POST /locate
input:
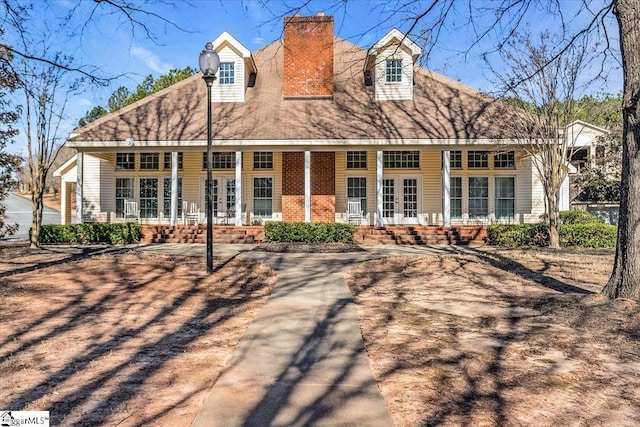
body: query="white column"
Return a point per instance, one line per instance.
(446, 188)
(307, 186)
(79, 185)
(63, 200)
(379, 175)
(174, 188)
(238, 188)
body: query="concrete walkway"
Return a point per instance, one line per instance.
(302, 360)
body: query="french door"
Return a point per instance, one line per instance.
(223, 197)
(400, 199)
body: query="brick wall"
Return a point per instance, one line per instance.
(323, 199)
(293, 187)
(308, 56)
(323, 186)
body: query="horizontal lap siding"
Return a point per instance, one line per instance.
(431, 182)
(228, 92)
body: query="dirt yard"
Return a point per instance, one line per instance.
(120, 338)
(500, 338)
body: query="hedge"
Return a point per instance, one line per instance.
(589, 235)
(516, 235)
(579, 217)
(304, 232)
(127, 232)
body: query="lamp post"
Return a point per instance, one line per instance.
(209, 64)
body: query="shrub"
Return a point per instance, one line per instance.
(128, 232)
(579, 217)
(302, 232)
(594, 235)
(516, 235)
(586, 235)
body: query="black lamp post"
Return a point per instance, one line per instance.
(209, 64)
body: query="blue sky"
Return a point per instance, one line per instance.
(118, 49)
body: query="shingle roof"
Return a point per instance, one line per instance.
(441, 109)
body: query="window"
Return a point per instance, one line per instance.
(220, 160)
(125, 161)
(263, 160)
(505, 199)
(402, 159)
(124, 191)
(356, 159)
(393, 71)
(263, 196)
(226, 74)
(455, 194)
(504, 160)
(478, 159)
(357, 189)
(149, 161)
(455, 159)
(167, 197)
(167, 161)
(148, 197)
(478, 197)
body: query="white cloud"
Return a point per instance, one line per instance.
(150, 60)
(84, 102)
(258, 41)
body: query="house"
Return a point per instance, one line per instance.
(300, 128)
(582, 139)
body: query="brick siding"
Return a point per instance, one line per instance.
(308, 57)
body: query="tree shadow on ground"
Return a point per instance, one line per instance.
(141, 316)
(465, 340)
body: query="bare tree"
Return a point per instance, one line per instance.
(46, 91)
(544, 84)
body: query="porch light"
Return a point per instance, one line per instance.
(209, 64)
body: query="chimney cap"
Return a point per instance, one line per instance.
(320, 14)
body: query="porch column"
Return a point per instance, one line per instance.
(174, 188)
(80, 172)
(238, 188)
(379, 175)
(446, 188)
(307, 186)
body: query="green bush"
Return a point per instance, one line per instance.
(304, 232)
(579, 217)
(594, 235)
(585, 235)
(128, 232)
(516, 235)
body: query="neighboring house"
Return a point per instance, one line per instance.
(582, 138)
(301, 127)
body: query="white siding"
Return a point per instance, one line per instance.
(395, 91)
(227, 92)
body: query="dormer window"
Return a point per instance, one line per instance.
(393, 71)
(226, 75)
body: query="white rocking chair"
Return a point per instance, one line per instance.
(131, 211)
(354, 212)
(193, 216)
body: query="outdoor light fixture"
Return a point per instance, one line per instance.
(209, 64)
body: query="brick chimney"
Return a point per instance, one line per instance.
(308, 57)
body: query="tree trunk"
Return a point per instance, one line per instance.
(37, 193)
(625, 279)
(554, 222)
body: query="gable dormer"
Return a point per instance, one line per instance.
(237, 70)
(389, 67)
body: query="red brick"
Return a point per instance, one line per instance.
(308, 57)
